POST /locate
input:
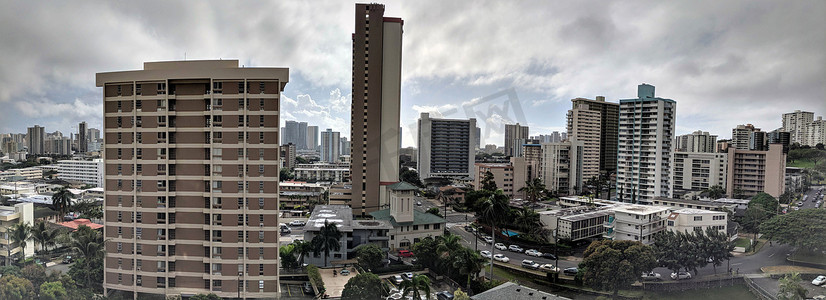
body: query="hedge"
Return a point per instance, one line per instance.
(315, 278)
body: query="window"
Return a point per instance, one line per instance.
(261, 203)
(138, 280)
(261, 269)
(240, 202)
(120, 247)
(698, 218)
(260, 284)
(138, 232)
(138, 216)
(670, 223)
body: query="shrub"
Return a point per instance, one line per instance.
(315, 277)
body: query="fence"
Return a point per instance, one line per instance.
(757, 290)
(698, 283)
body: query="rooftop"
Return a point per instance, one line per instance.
(419, 218)
(342, 215)
(639, 209)
(402, 186)
(513, 291)
(696, 211)
(80, 222)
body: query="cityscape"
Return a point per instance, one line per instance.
(481, 151)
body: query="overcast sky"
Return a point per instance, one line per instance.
(724, 62)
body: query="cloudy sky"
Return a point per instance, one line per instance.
(724, 62)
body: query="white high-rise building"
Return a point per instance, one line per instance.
(330, 145)
(646, 137)
(698, 141)
(795, 124)
(561, 166)
(815, 132)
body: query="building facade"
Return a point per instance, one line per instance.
(82, 138)
(374, 128)
(752, 171)
(815, 132)
(409, 225)
(287, 153)
(584, 125)
(689, 220)
(514, 133)
(191, 165)
(446, 147)
(21, 213)
(646, 136)
(330, 146)
(312, 138)
(609, 130)
(795, 124)
(332, 172)
(561, 166)
(633, 222)
(742, 137)
(36, 140)
(698, 141)
(354, 233)
(508, 176)
(81, 171)
(695, 172)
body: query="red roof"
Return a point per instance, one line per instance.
(76, 223)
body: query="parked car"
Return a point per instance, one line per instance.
(533, 252)
(488, 239)
(570, 271)
(308, 289)
(501, 246)
(651, 276)
(502, 258)
(680, 275)
(419, 203)
(298, 223)
(819, 280)
(397, 279)
(548, 268)
(405, 253)
(515, 248)
(444, 295)
(485, 253)
(68, 259)
(345, 272)
(529, 264)
(548, 255)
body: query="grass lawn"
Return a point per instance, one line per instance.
(809, 257)
(723, 293)
(741, 242)
(790, 269)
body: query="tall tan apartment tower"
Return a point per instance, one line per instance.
(584, 124)
(191, 170)
(374, 126)
(608, 133)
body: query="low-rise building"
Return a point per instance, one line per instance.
(693, 204)
(634, 222)
(333, 172)
(299, 194)
(513, 291)
(575, 223)
(10, 216)
(25, 173)
(81, 171)
(409, 224)
(451, 194)
(341, 194)
(690, 219)
(354, 233)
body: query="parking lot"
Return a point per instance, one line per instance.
(294, 291)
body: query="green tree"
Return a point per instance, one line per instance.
(426, 253)
(287, 256)
(88, 209)
(716, 246)
(474, 196)
(301, 249)
(765, 202)
(87, 245)
(15, 288)
(62, 201)
(210, 296)
(370, 257)
(328, 239)
(448, 243)
(526, 219)
(790, 288)
(716, 192)
(43, 236)
(420, 285)
(19, 234)
(53, 290)
(460, 295)
(363, 286)
(285, 175)
(488, 183)
(753, 217)
(410, 176)
(612, 265)
(805, 228)
(533, 190)
(36, 274)
(435, 210)
(467, 262)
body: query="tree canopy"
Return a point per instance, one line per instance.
(764, 201)
(612, 265)
(16, 288)
(488, 183)
(790, 288)
(805, 228)
(363, 286)
(371, 257)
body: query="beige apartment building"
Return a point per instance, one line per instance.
(560, 166)
(690, 219)
(191, 164)
(695, 172)
(752, 171)
(10, 216)
(585, 125)
(374, 125)
(510, 177)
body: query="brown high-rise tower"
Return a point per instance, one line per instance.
(374, 126)
(191, 179)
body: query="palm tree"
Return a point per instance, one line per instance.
(43, 236)
(328, 239)
(790, 288)
(20, 233)
(533, 189)
(493, 210)
(419, 284)
(526, 219)
(87, 243)
(62, 201)
(302, 248)
(448, 243)
(467, 262)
